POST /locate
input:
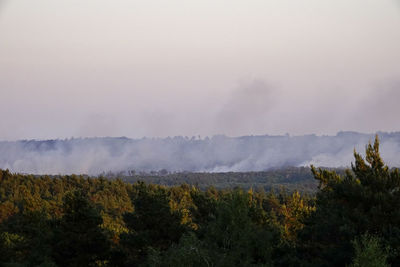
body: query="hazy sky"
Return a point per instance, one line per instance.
(182, 67)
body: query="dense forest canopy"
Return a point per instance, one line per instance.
(94, 156)
(352, 220)
(292, 178)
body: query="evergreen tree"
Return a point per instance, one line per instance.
(234, 239)
(153, 224)
(369, 252)
(366, 199)
(79, 240)
(25, 239)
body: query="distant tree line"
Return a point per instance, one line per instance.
(156, 156)
(352, 220)
(291, 178)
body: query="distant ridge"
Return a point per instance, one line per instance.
(215, 154)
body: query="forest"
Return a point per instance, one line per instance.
(351, 218)
(218, 154)
(289, 178)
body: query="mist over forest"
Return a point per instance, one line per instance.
(193, 154)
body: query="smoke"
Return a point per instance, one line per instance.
(397, 2)
(378, 108)
(96, 123)
(3, 4)
(247, 107)
(126, 68)
(217, 154)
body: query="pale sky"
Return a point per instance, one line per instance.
(182, 67)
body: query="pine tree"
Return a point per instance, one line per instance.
(153, 224)
(79, 240)
(365, 199)
(369, 252)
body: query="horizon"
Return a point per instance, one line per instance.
(199, 137)
(178, 154)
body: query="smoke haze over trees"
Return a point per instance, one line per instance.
(74, 220)
(174, 154)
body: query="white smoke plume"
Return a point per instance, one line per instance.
(217, 154)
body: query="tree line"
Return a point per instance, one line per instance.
(352, 220)
(291, 178)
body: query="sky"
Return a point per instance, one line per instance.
(158, 68)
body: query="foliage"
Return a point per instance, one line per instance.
(369, 252)
(77, 231)
(292, 178)
(366, 199)
(153, 224)
(84, 221)
(190, 252)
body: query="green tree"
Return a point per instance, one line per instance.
(153, 224)
(369, 252)
(78, 239)
(25, 239)
(190, 252)
(234, 239)
(366, 199)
